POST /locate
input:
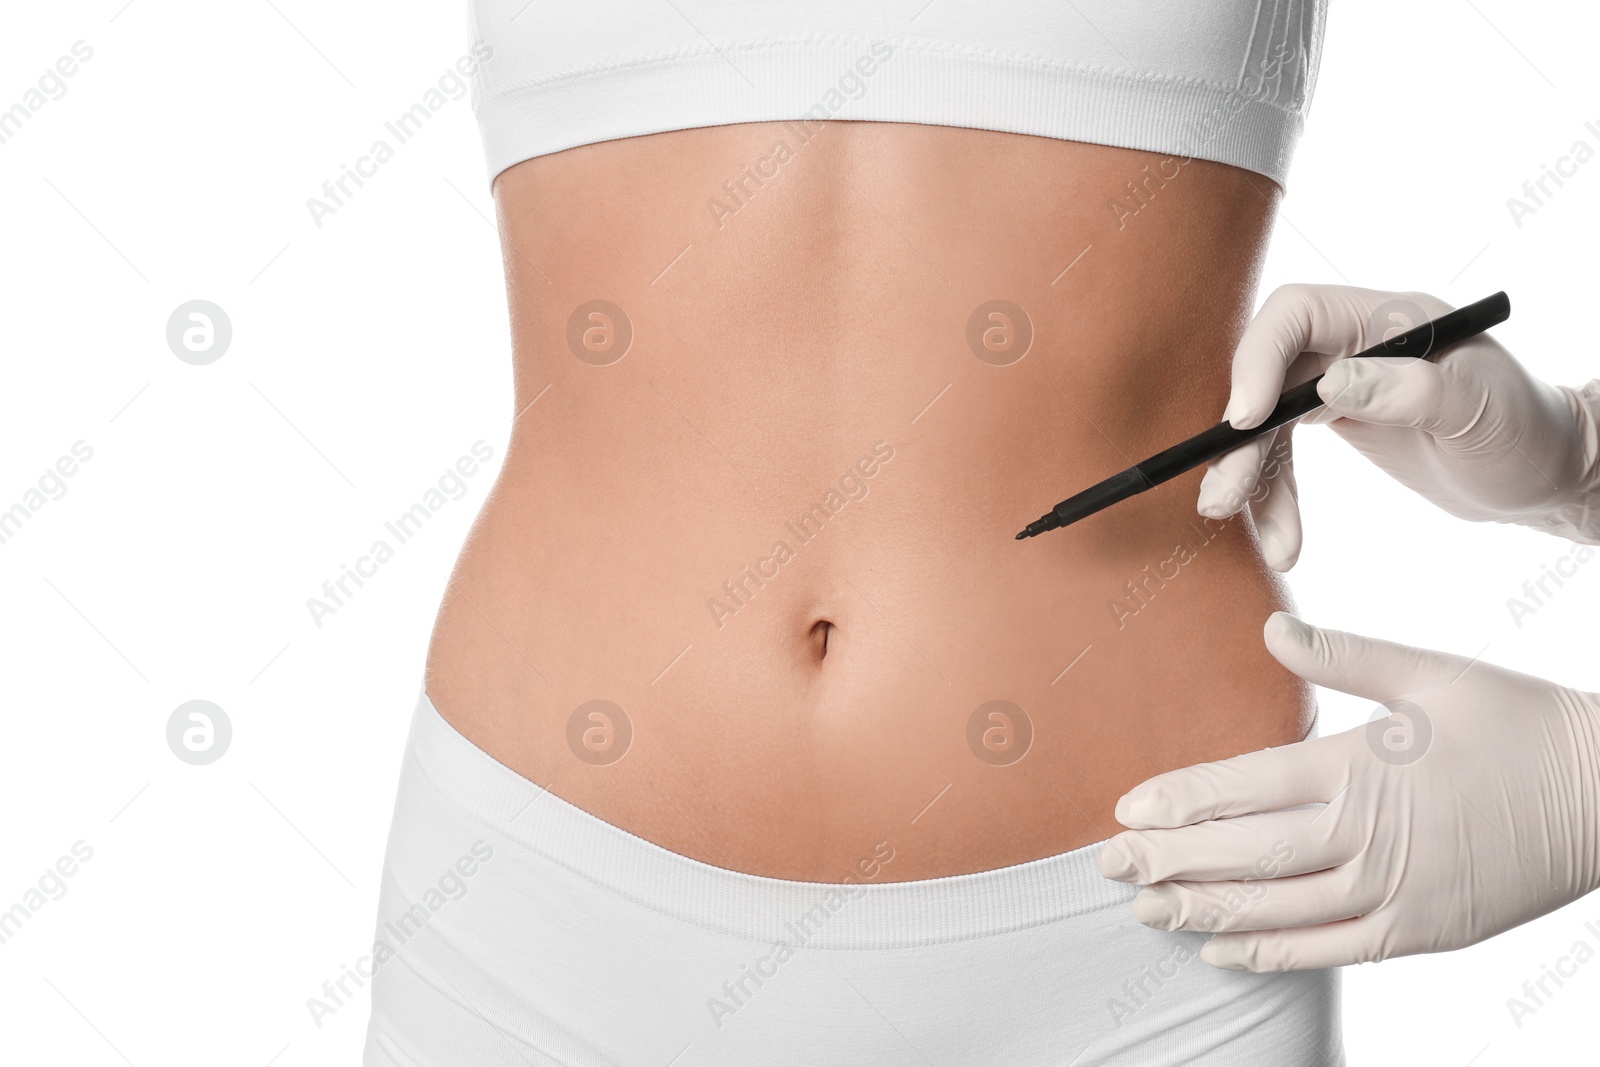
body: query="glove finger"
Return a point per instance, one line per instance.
(1269, 780)
(1232, 477)
(1258, 904)
(1276, 844)
(1363, 940)
(1402, 392)
(1296, 320)
(1362, 666)
(1276, 507)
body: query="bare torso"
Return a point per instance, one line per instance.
(777, 533)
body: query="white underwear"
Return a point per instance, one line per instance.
(516, 929)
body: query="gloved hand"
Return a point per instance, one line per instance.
(1473, 431)
(1472, 808)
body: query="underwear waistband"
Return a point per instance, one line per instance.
(526, 817)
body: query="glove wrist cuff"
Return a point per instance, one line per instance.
(1583, 719)
(1578, 519)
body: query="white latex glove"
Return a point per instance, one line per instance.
(1469, 810)
(1473, 432)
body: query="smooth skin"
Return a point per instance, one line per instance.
(786, 344)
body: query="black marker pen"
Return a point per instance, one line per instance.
(1421, 342)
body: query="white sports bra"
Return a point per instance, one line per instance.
(1227, 80)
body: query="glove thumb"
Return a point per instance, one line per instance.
(1361, 666)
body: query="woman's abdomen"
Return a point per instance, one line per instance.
(748, 585)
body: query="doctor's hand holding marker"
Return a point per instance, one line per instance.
(1472, 430)
(1475, 805)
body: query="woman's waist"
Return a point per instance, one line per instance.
(923, 530)
(761, 690)
(824, 586)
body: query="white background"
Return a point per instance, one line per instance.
(370, 353)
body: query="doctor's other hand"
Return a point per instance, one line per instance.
(1468, 809)
(1472, 431)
